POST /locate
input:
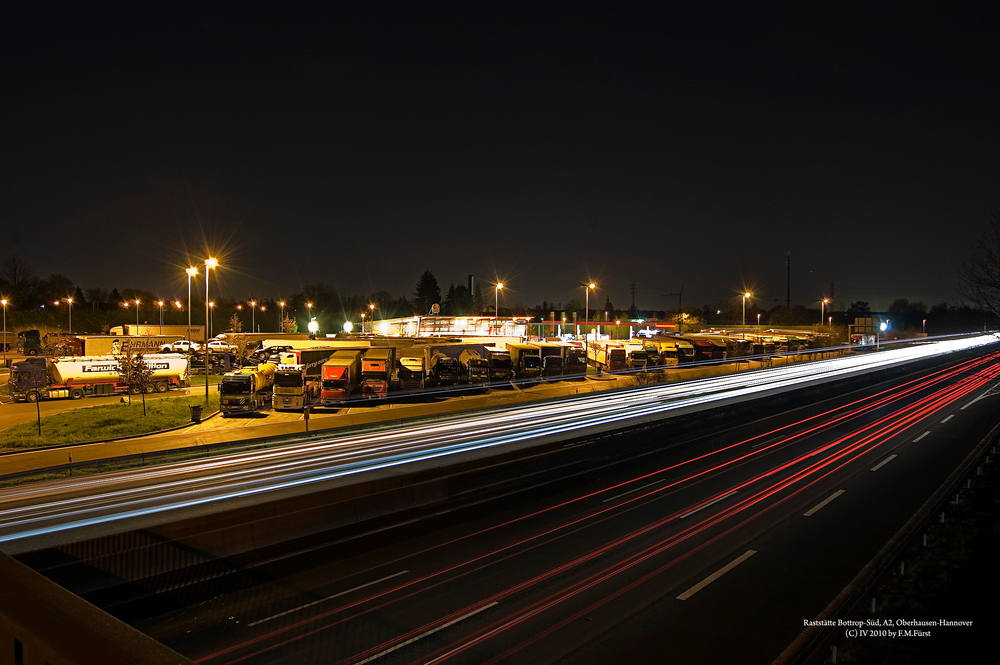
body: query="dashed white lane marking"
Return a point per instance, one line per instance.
(921, 436)
(716, 575)
(948, 418)
(618, 496)
(426, 633)
(692, 512)
(815, 509)
(323, 600)
(883, 462)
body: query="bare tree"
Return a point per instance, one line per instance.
(981, 273)
(18, 279)
(235, 325)
(134, 372)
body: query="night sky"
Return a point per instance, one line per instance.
(670, 144)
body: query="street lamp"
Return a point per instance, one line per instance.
(281, 321)
(4, 303)
(209, 264)
(191, 272)
(822, 309)
(371, 308)
(160, 303)
(70, 301)
(211, 321)
(362, 323)
(924, 330)
(136, 316)
(253, 316)
(586, 314)
(496, 304)
(758, 322)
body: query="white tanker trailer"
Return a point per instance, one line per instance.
(79, 376)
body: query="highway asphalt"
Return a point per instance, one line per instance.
(710, 548)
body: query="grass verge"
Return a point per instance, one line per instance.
(107, 421)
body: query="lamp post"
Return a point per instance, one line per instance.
(191, 272)
(586, 314)
(136, 316)
(160, 303)
(746, 296)
(924, 330)
(4, 303)
(496, 305)
(209, 264)
(371, 318)
(822, 309)
(362, 323)
(281, 321)
(253, 316)
(758, 323)
(70, 302)
(211, 321)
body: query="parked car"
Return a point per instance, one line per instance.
(181, 346)
(218, 346)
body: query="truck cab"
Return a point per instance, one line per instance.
(552, 358)
(501, 365)
(376, 372)
(29, 343)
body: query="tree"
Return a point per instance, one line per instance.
(427, 291)
(289, 325)
(136, 374)
(235, 324)
(241, 346)
(17, 280)
(55, 287)
(981, 273)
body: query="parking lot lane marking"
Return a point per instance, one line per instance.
(716, 575)
(815, 509)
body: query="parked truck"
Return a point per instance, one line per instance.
(526, 359)
(341, 377)
(298, 378)
(247, 390)
(635, 355)
(501, 365)
(605, 354)
(35, 379)
(552, 358)
(29, 343)
(574, 359)
(376, 372)
(412, 368)
(445, 370)
(475, 368)
(108, 345)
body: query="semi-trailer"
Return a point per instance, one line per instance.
(635, 355)
(526, 359)
(247, 390)
(552, 358)
(605, 354)
(376, 372)
(475, 368)
(298, 378)
(341, 377)
(77, 377)
(108, 345)
(574, 359)
(412, 368)
(501, 365)
(445, 370)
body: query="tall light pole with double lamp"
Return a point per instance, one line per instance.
(191, 272)
(209, 264)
